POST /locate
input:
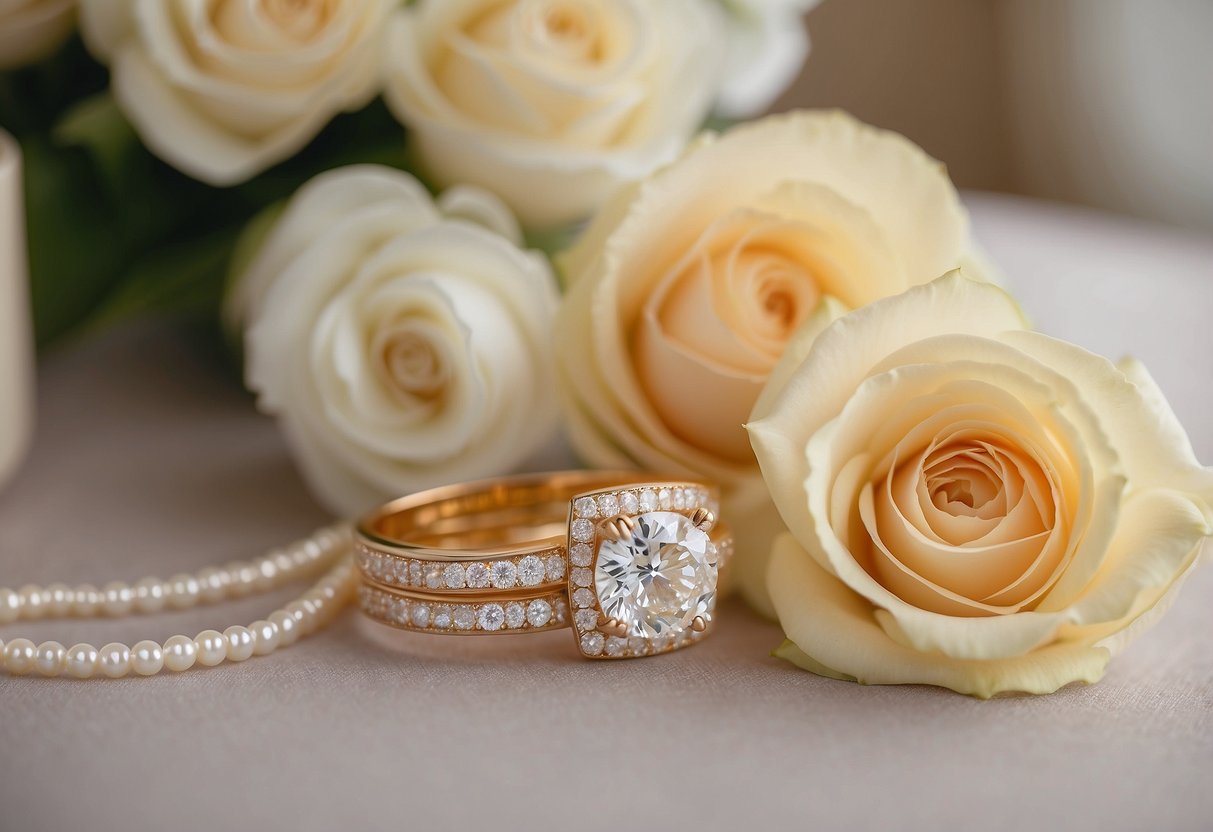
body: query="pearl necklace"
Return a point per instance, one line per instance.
(328, 549)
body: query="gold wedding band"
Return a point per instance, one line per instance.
(630, 562)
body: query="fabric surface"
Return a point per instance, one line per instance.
(150, 460)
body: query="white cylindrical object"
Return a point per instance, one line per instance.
(16, 331)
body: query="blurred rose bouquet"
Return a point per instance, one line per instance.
(926, 492)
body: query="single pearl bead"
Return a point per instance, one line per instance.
(59, 600)
(147, 658)
(288, 628)
(183, 591)
(265, 637)
(33, 601)
(266, 574)
(180, 653)
(114, 660)
(212, 647)
(85, 600)
(240, 643)
(50, 658)
(213, 584)
(117, 598)
(243, 577)
(149, 595)
(19, 655)
(82, 661)
(284, 564)
(10, 605)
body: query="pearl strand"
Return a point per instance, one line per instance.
(283, 627)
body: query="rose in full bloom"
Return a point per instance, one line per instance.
(551, 104)
(768, 45)
(30, 30)
(224, 90)
(402, 344)
(970, 504)
(687, 288)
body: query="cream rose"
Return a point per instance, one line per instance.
(552, 104)
(30, 30)
(768, 45)
(402, 344)
(970, 504)
(687, 288)
(225, 89)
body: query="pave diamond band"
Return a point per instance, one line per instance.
(628, 561)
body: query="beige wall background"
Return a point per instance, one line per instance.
(1107, 103)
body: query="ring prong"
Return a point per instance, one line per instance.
(612, 626)
(619, 527)
(703, 519)
(699, 624)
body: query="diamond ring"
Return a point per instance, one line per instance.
(628, 561)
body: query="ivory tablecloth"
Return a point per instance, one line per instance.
(149, 459)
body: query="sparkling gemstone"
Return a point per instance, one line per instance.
(584, 507)
(441, 618)
(628, 503)
(560, 609)
(665, 500)
(648, 500)
(415, 573)
(454, 575)
(582, 577)
(592, 644)
(464, 618)
(502, 574)
(581, 554)
(616, 646)
(538, 612)
(491, 617)
(515, 615)
(531, 571)
(660, 578)
(433, 576)
(421, 615)
(477, 575)
(638, 645)
(586, 619)
(555, 567)
(608, 505)
(400, 573)
(399, 611)
(583, 531)
(680, 498)
(583, 598)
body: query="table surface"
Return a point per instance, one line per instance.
(149, 460)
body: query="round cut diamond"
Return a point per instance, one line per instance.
(464, 618)
(415, 573)
(583, 598)
(555, 566)
(491, 617)
(660, 578)
(454, 575)
(441, 618)
(648, 500)
(515, 615)
(608, 505)
(582, 577)
(628, 503)
(531, 571)
(592, 643)
(664, 499)
(615, 646)
(538, 612)
(586, 619)
(477, 575)
(581, 554)
(584, 507)
(502, 573)
(433, 576)
(583, 530)
(421, 615)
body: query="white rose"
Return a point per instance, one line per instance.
(552, 104)
(30, 30)
(970, 504)
(401, 344)
(768, 45)
(687, 288)
(224, 90)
